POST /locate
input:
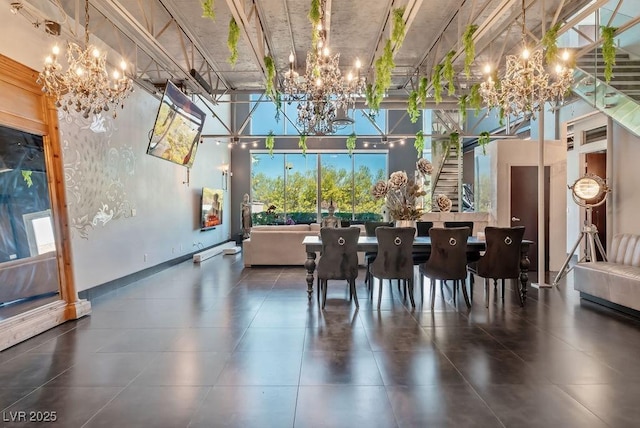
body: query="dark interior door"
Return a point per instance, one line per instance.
(596, 163)
(524, 208)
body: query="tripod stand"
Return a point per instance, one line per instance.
(590, 235)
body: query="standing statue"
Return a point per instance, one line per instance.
(246, 216)
(331, 220)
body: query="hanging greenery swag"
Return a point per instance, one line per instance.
(351, 143)
(462, 108)
(469, 48)
(232, 41)
(207, 9)
(419, 143)
(608, 51)
(302, 143)
(449, 72)
(269, 143)
(483, 140)
(437, 83)
(550, 43)
(412, 107)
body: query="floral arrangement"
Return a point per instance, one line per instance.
(443, 202)
(401, 195)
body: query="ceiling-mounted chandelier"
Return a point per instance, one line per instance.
(85, 86)
(526, 85)
(323, 94)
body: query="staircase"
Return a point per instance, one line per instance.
(448, 179)
(619, 99)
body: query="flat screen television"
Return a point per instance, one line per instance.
(211, 211)
(177, 128)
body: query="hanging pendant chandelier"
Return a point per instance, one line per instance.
(527, 85)
(85, 87)
(323, 94)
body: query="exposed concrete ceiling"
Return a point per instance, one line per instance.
(165, 39)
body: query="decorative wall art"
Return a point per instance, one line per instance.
(97, 171)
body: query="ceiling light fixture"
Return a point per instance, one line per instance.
(85, 86)
(526, 86)
(323, 94)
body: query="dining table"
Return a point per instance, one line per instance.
(421, 244)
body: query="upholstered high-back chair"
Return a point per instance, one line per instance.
(501, 260)
(339, 259)
(369, 256)
(394, 259)
(448, 260)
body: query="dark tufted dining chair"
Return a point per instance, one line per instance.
(501, 259)
(369, 256)
(394, 259)
(339, 259)
(448, 259)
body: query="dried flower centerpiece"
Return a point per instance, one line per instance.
(401, 196)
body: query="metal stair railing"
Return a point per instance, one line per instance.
(445, 155)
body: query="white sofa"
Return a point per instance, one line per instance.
(617, 280)
(280, 245)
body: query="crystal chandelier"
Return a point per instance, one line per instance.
(85, 86)
(323, 95)
(526, 85)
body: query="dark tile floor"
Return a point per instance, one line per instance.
(217, 345)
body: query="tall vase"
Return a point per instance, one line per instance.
(407, 223)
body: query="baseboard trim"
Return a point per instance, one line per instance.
(108, 287)
(602, 302)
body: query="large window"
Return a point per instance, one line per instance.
(284, 187)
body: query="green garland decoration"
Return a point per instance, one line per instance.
(437, 83)
(278, 103)
(383, 66)
(314, 17)
(271, 75)
(462, 107)
(232, 41)
(270, 142)
(422, 91)
(370, 98)
(550, 43)
(501, 116)
(26, 176)
(483, 140)
(412, 107)
(469, 48)
(399, 27)
(302, 143)
(207, 9)
(475, 99)
(419, 143)
(608, 51)
(454, 140)
(351, 143)
(449, 72)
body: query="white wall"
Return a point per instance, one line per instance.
(507, 153)
(109, 176)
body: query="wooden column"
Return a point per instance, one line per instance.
(24, 106)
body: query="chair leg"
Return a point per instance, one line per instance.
(410, 281)
(471, 282)
(354, 293)
(503, 289)
(324, 292)
(318, 288)
(464, 293)
(455, 288)
(421, 286)
(495, 289)
(433, 293)
(486, 291)
(380, 293)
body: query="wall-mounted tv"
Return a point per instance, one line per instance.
(211, 211)
(177, 129)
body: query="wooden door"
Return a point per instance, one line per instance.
(596, 163)
(524, 207)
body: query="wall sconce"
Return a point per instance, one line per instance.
(226, 173)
